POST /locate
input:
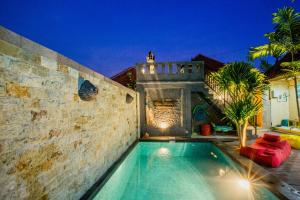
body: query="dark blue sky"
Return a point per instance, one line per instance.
(109, 36)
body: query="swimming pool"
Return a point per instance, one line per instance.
(181, 170)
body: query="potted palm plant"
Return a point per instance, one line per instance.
(245, 86)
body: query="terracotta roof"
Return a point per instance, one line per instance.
(123, 77)
(210, 64)
(276, 69)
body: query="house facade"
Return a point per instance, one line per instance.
(280, 101)
(168, 92)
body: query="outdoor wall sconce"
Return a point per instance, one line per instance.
(129, 98)
(87, 91)
(163, 125)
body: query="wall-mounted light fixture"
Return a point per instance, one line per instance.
(87, 91)
(129, 98)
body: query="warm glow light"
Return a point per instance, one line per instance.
(163, 125)
(163, 151)
(143, 71)
(221, 172)
(244, 184)
(152, 69)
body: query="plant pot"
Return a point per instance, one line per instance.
(205, 129)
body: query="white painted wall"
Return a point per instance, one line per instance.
(266, 110)
(279, 110)
(292, 102)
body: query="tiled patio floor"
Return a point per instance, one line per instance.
(289, 171)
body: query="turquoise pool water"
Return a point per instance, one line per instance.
(173, 171)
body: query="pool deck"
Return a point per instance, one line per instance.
(283, 180)
(286, 175)
(289, 171)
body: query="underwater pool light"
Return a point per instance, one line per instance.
(244, 183)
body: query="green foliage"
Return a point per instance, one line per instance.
(240, 79)
(239, 112)
(274, 50)
(285, 38)
(292, 68)
(245, 86)
(287, 28)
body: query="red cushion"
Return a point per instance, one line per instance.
(267, 144)
(271, 138)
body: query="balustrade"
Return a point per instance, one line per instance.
(170, 71)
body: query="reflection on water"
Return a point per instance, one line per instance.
(163, 151)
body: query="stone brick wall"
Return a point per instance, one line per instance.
(159, 109)
(52, 144)
(164, 111)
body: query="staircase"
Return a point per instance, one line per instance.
(218, 99)
(213, 95)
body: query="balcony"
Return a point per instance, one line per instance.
(170, 71)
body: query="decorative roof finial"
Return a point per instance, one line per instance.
(150, 57)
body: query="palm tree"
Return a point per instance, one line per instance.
(245, 86)
(266, 50)
(284, 40)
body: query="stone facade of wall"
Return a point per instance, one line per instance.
(164, 110)
(53, 145)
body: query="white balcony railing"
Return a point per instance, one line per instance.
(170, 71)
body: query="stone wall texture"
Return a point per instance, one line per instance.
(164, 111)
(53, 145)
(165, 114)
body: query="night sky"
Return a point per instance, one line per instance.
(108, 36)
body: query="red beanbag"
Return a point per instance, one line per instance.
(271, 138)
(269, 153)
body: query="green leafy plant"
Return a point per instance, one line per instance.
(245, 85)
